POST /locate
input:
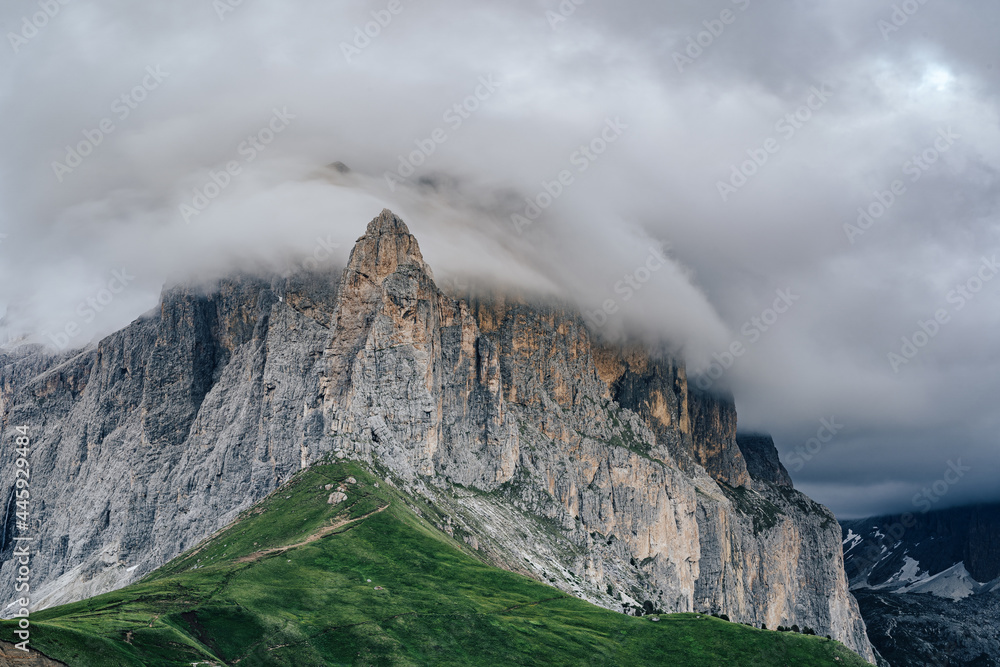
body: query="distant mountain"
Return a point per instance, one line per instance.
(921, 630)
(928, 584)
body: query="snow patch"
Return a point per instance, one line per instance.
(955, 583)
(853, 538)
(908, 574)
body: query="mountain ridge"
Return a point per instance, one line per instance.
(595, 468)
(928, 584)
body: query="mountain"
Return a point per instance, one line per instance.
(596, 468)
(908, 551)
(921, 630)
(339, 566)
(928, 584)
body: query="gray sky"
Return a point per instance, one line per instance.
(711, 152)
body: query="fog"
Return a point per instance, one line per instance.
(784, 191)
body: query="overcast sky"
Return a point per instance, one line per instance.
(717, 154)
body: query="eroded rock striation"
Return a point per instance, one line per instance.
(598, 469)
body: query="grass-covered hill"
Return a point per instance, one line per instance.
(298, 581)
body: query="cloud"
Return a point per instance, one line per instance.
(610, 125)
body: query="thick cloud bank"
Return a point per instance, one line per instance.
(801, 196)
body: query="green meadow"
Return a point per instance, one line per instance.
(296, 581)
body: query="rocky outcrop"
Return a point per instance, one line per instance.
(597, 469)
(407, 366)
(11, 656)
(699, 428)
(762, 458)
(911, 630)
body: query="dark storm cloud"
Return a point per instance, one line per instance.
(676, 168)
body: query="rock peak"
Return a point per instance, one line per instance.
(386, 246)
(387, 223)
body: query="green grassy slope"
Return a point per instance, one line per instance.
(243, 598)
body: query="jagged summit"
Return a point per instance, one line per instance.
(385, 246)
(385, 223)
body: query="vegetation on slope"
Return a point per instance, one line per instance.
(299, 582)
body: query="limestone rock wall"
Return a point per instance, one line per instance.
(597, 469)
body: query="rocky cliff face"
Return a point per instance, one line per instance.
(762, 458)
(597, 469)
